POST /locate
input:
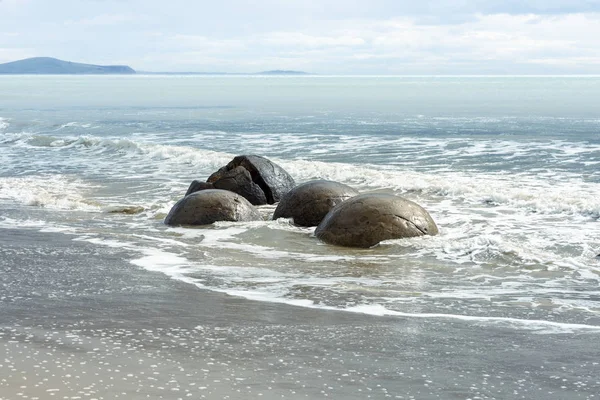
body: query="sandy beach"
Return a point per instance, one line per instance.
(85, 328)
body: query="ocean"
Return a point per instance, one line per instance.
(508, 167)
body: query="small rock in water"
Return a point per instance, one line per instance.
(125, 210)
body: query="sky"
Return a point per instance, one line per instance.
(395, 37)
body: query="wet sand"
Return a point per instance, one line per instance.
(79, 324)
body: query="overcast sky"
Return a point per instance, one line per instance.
(320, 36)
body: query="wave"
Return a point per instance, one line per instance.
(53, 191)
(120, 147)
(178, 267)
(3, 124)
(174, 254)
(75, 125)
(535, 192)
(529, 194)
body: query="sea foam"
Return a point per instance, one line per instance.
(53, 191)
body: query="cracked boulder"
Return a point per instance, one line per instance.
(255, 178)
(308, 203)
(197, 186)
(367, 219)
(211, 205)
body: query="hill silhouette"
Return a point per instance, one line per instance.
(49, 65)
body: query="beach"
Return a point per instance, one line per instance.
(100, 299)
(113, 330)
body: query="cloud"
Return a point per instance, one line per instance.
(498, 43)
(202, 43)
(297, 39)
(106, 19)
(8, 54)
(331, 36)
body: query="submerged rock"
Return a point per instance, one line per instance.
(367, 219)
(257, 179)
(309, 202)
(211, 205)
(124, 210)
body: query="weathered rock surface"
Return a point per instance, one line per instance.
(197, 186)
(211, 205)
(240, 181)
(257, 179)
(309, 202)
(367, 219)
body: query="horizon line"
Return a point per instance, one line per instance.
(372, 75)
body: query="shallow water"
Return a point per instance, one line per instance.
(509, 173)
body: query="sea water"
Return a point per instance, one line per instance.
(508, 167)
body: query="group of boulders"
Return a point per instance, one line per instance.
(342, 215)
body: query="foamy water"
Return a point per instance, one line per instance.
(514, 196)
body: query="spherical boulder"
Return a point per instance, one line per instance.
(259, 180)
(367, 219)
(308, 203)
(211, 205)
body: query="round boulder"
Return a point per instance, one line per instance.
(257, 179)
(309, 202)
(367, 219)
(211, 205)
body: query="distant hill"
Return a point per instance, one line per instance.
(48, 65)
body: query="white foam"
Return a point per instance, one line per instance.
(10, 223)
(273, 286)
(162, 261)
(534, 325)
(75, 124)
(3, 124)
(558, 193)
(561, 195)
(153, 151)
(52, 191)
(540, 326)
(520, 223)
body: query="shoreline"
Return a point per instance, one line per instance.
(93, 325)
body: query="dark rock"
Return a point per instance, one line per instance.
(239, 180)
(211, 205)
(215, 176)
(367, 219)
(270, 178)
(197, 186)
(309, 202)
